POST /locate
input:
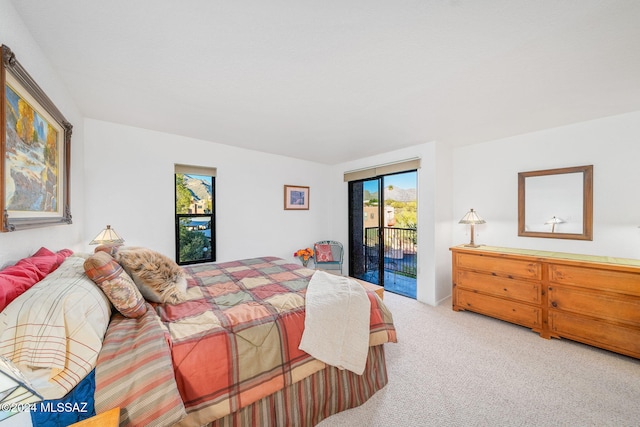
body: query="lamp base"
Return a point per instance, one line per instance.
(471, 245)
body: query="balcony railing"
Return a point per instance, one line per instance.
(400, 250)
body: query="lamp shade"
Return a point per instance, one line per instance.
(472, 218)
(108, 236)
(554, 220)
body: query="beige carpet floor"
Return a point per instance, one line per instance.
(464, 369)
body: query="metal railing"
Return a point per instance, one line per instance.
(400, 250)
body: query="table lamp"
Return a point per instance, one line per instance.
(472, 219)
(108, 236)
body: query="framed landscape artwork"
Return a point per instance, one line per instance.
(296, 197)
(35, 152)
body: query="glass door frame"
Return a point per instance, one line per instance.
(357, 240)
(396, 247)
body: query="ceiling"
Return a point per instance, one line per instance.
(332, 81)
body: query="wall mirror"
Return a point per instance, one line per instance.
(556, 203)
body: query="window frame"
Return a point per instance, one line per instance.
(211, 217)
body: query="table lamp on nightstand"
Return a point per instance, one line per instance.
(472, 219)
(108, 236)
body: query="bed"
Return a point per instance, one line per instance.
(220, 349)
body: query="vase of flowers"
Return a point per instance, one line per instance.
(305, 255)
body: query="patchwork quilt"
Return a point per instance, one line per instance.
(236, 338)
(233, 342)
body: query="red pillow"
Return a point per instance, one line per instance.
(63, 254)
(44, 260)
(323, 253)
(43, 252)
(15, 280)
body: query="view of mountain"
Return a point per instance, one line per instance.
(400, 194)
(200, 189)
(395, 193)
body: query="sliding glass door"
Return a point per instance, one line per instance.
(364, 230)
(383, 231)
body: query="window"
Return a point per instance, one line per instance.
(195, 214)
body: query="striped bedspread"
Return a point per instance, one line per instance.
(235, 340)
(134, 373)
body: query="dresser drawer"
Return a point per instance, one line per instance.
(510, 311)
(595, 278)
(605, 306)
(500, 266)
(503, 287)
(618, 338)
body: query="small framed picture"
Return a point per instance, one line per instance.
(296, 197)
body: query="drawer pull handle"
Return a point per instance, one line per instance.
(554, 304)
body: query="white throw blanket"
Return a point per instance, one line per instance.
(336, 326)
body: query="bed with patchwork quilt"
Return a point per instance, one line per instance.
(223, 348)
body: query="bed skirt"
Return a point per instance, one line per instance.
(314, 398)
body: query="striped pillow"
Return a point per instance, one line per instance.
(116, 284)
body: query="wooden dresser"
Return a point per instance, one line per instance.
(591, 299)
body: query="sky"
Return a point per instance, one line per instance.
(403, 180)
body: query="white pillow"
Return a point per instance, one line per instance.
(59, 325)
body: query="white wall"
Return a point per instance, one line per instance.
(19, 244)
(485, 178)
(434, 213)
(123, 176)
(130, 185)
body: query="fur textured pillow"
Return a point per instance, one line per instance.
(158, 277)
(116, 284)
